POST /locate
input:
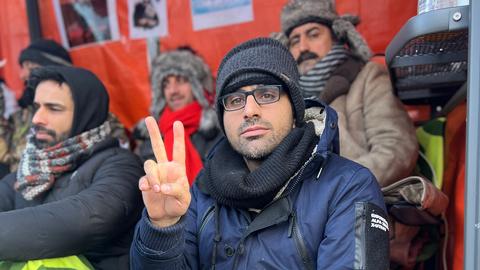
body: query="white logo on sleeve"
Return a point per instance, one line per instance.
(378, 222)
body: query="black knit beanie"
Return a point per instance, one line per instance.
(45, 52)
(251, 78)
(260, 61)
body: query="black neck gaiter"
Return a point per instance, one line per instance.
(229, 181)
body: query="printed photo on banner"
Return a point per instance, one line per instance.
(215, 13)
(85, 22)
(147, 18)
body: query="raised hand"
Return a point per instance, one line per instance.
(165, 187)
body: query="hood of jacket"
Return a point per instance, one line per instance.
(325, 120)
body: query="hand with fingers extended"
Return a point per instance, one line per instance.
(165, 187)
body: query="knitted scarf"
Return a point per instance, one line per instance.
(229, 181)
(313, 82)
(190, 117)
(40, 167)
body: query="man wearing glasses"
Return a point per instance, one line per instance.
(274, 194)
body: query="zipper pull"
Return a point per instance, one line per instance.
(319, 172)
(322, 164)
(241, 249)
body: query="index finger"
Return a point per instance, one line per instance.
(156, 139)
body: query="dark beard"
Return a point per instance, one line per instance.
(258, 158)
(44, 143)
(241, 147)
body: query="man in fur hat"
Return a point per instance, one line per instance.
(74, 195)
(333, 60)
(181, 84)
(273, 194)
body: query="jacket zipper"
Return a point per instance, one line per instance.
(241, 246)
(298, 173)
(294, 231)
(206, 218)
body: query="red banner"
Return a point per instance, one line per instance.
(123, 66)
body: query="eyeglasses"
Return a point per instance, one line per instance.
(264, 94)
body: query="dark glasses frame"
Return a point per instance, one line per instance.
(245, 94)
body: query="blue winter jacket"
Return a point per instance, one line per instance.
(333, 219)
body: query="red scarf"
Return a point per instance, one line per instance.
(190, 117)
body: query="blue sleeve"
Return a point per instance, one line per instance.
(173, 247)
(349, 237)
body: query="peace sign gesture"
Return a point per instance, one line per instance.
(165, 187)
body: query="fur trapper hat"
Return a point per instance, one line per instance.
(299, 12)
(179, 63)
(186, 64)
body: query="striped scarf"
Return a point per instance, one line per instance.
(314, 81)
(39, 167)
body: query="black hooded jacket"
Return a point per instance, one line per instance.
(91, 210)
(89, 96)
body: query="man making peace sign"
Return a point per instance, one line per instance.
(274, 194)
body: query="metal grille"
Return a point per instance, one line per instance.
(437, 43)
(431, 69)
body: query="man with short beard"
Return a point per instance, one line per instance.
(42, 52)
(39, 53)
(333, 61)
(74, 195)
(273, 194)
